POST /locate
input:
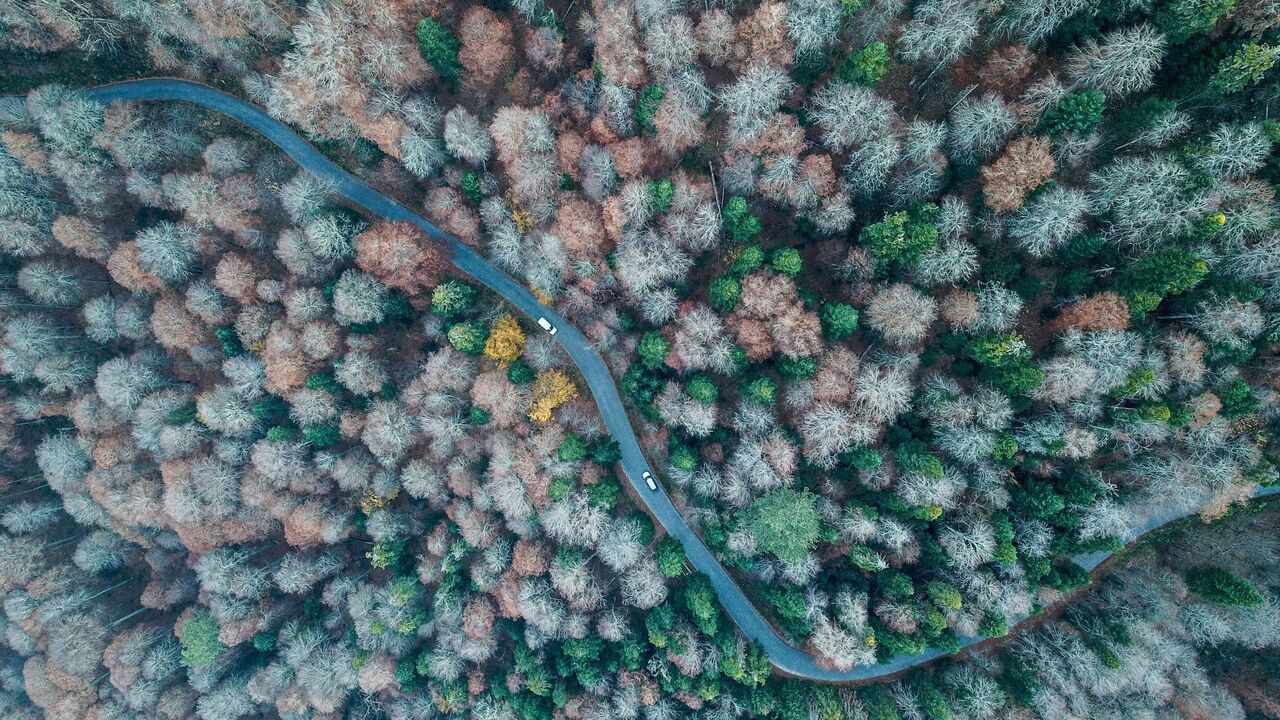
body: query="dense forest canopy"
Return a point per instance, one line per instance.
(911, 303)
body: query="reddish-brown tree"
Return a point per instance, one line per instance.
(488, 50)
(1026, 163)
(1103, 311)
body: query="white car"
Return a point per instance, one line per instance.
(648, 480)
(546, 325)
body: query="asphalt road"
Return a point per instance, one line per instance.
(784, 657)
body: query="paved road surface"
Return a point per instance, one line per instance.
(784, 657)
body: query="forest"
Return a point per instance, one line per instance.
(913, 303)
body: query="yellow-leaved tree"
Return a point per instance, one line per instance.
(551, 389)
(506, 341)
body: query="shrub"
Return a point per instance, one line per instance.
(762, 390)
(661, 193)
(1218, 585)
(473, 187)
(993, 625)
(797, 368)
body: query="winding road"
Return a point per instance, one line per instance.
(787, 659)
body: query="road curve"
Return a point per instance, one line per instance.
(787, 659)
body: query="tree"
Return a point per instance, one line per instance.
(940, 31)
(321, 436)
(1102, 311)
(439, 47)
(647, 106)
(850, 116)
(168, 251)
(1150, 278)
(899, 240)
(787, 261)
(1245, 67)
(1007, 361)
(200, 644)
(551, 389)
(488, 50)
(866, 66)
(468, 336)
(1124, 62)
(753, 99)
(1219, 585)
(930, 699)
(670, 557)
(653, 349)
(1238, 399)
(979, 126)
(400, 255)
(901, 314)
(1026, 163)
(723, 293)
(762, 390)
(1078, 112)
(466, 138)
(812, 27)
(839, 320)
(506, 341)
(944, 595)
(785, 523)
(702, 388)
(51, 283)
(1182, 19)
(739, 222)
(359, 298)
(519, 372)
(452, 298)
(1051, 218)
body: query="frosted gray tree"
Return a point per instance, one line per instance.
(753, 99)
(1049, 220)
(466, 137)
(979, 127)
(940, 31)
(1122, 62)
